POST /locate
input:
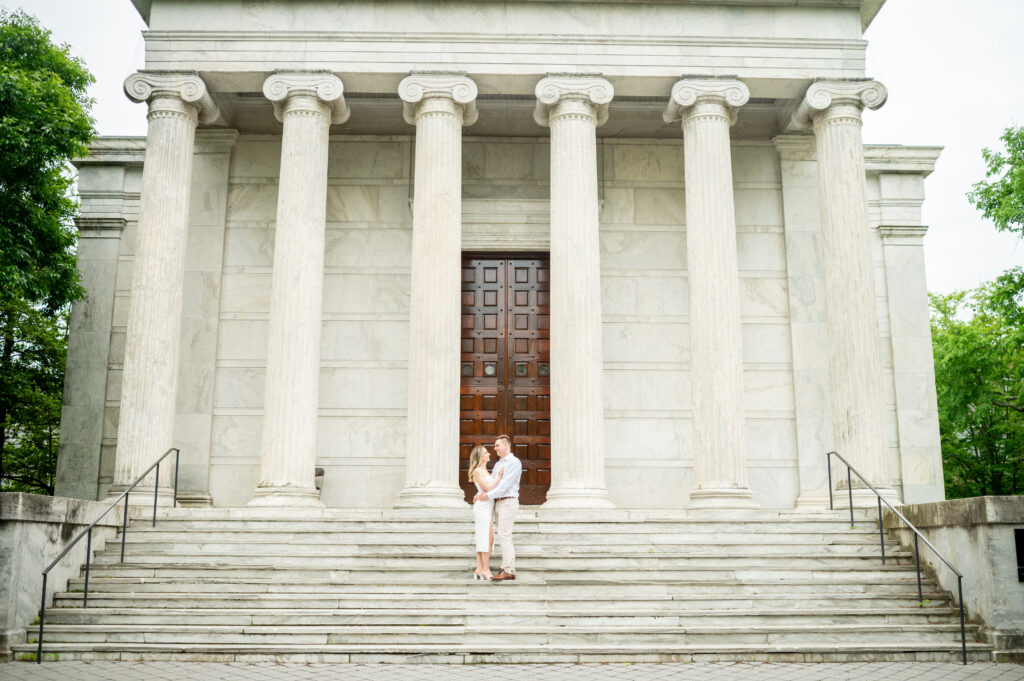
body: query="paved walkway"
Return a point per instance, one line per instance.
(744, 671)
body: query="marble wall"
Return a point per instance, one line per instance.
(365, 340)
(648, 417)
(365, 320)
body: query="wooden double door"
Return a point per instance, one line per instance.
(506, 383)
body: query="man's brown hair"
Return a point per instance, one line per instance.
(506, 438)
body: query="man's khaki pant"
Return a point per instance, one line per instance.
(504, 517)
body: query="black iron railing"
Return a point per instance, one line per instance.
(87, 533)
(917, 535)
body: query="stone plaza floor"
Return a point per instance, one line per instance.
(736, 671)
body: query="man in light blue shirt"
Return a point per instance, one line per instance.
(506, 504)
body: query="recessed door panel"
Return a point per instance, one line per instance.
(506, 385)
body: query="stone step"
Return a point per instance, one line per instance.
(461, 541)
(496, 615)
(415, 602)
(462, 535)
(247, 584)
(523, 550)
(403, 571)
(457, 653)
(484, 632)
(326, 557)
(895, 584)
(522, 527)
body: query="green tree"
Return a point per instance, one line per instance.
(978, 341)
(31, 384)
(44, 122)
(1002, 199)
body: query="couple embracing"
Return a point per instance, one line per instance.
(497, 496)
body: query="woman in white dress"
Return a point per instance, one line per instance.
(483, 531)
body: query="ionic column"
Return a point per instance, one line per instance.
(573, 107)
(307, 104)
(708, 108)
(833, 109)
(177, 102)
(438, 105)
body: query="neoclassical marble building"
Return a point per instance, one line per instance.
(643, 237)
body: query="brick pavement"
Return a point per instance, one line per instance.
(740, 671)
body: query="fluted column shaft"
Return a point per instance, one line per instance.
(855, 372)
(438, 106)
(573, 108)
(291, 399)
(149, 382)
(707, 109)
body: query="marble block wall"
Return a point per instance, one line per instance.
(109, 191)
(365, 320)
(648, 419)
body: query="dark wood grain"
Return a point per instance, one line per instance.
(506, 385)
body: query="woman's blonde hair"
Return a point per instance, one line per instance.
(475, 460)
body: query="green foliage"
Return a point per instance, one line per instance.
(1002, 199)
(33, 346)
(978, 341)
(44, 121)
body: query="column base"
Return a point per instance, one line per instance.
(195, 499)
(142, 496)
(811, 502)
(577, 498)
(862, 496)
(727, 498)
(285, 497)
(432, 497)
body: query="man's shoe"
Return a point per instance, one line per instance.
(504, 576)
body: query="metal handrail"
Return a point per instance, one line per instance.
(917, 535)
(87, 533)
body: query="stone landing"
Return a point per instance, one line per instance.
(600, 586)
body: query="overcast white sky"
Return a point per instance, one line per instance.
(953, 70)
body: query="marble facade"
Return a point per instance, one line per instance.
(735, 396)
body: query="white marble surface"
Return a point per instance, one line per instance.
(645, 293)
(707, 109)
(438, 105)
(177, 102)
(642, 47)
(572, 107)
(306, 104)
(833, 109)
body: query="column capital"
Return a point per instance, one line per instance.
(592, 90)
(320, 85)
(186, 86)
(456, 87)
(824, 94)
(687, 93)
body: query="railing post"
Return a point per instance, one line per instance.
(828, 460)
(963, 634)
(881, 532)
(849, 488)
(917, 557)
(177, 456)
(156, 490)
(124, 525)
(88, 554)
(42, 616)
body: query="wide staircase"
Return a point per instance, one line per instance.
(396, 586)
